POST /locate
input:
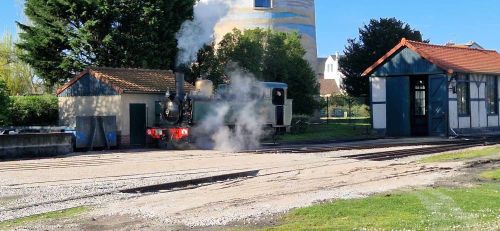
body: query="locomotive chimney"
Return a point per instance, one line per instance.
(179, 84)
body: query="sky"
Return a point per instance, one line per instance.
(440, 21)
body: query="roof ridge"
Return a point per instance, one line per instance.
(450, 47)
(128, 69)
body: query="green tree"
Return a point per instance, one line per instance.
(272, 56)
(64, 36)
(4, 104)
(18, 75)
(207, 66)
(375, 39)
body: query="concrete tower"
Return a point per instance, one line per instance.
(280, 15)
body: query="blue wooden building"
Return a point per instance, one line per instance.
(420, 89)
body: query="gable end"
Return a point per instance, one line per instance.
(88, 86)
(406, 62)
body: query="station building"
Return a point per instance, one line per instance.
(420, 89)
(129, 97)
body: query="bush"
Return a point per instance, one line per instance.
(300, 123)
(4, 104)
(34, 110)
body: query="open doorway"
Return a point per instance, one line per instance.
(419, 105)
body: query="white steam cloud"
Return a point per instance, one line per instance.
(194, 34)
(241, 108)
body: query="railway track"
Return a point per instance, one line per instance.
(390, 155)
(233, 175)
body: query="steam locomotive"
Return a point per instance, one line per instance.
(182, 112)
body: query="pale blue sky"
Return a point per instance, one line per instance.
(440, 21)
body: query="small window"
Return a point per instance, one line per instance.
(463, 96)
(262, 3)
(420, 109)
(278, 96)
(492, 95)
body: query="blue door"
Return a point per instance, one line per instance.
(438, 105)
(398, 106)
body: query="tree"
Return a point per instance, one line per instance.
(4, 103)
(269, 56)
(18, 76)
(207, 66)
(375, 40)
(65, 35)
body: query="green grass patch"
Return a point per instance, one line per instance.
(336, 129)
(475, 208)
(11, 224)
(462, 155)
(492, 175)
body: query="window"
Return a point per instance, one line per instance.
(420, 109)
(463, 96)
(262, 3)
(492, 95)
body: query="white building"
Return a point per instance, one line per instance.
(328, 73)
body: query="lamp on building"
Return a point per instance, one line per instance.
(452, 84)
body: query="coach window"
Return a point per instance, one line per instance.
(492, 95)
(262, 3)
(463, 95)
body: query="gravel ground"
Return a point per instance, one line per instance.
(285, 181)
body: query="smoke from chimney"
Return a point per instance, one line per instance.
(194, 34)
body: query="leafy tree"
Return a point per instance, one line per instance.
(269, 56)
(4, 103)
(207, 66)
(33, 110)
(18, 76)
(375, 39)
(65, 36)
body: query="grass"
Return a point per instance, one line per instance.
(11, 224)
(492, 175)
(336, 129)
(475, 208)
(462, 155)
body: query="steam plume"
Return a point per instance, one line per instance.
(241, 107)
(195, 33)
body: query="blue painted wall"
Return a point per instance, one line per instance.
(88, 86)
(398, 106)
(407, 62)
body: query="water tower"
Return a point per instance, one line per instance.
(280, 15)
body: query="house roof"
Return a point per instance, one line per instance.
(128, 80)
(470, 44)
(449, 58)
(328, 86)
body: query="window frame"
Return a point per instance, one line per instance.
(263, 7)
(488, 88)
(465, 82)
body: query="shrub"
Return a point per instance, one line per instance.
(34, 110)
(4, 104)
(300, 123)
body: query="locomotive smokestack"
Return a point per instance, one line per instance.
(179, 84)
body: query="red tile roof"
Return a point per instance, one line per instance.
(328, 86)
(131, 80)
(451, 59)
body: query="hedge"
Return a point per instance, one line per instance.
(39, 110)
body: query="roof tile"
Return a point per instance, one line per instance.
(449, 58)
(132, 80)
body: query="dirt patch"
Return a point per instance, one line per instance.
(470, 173)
